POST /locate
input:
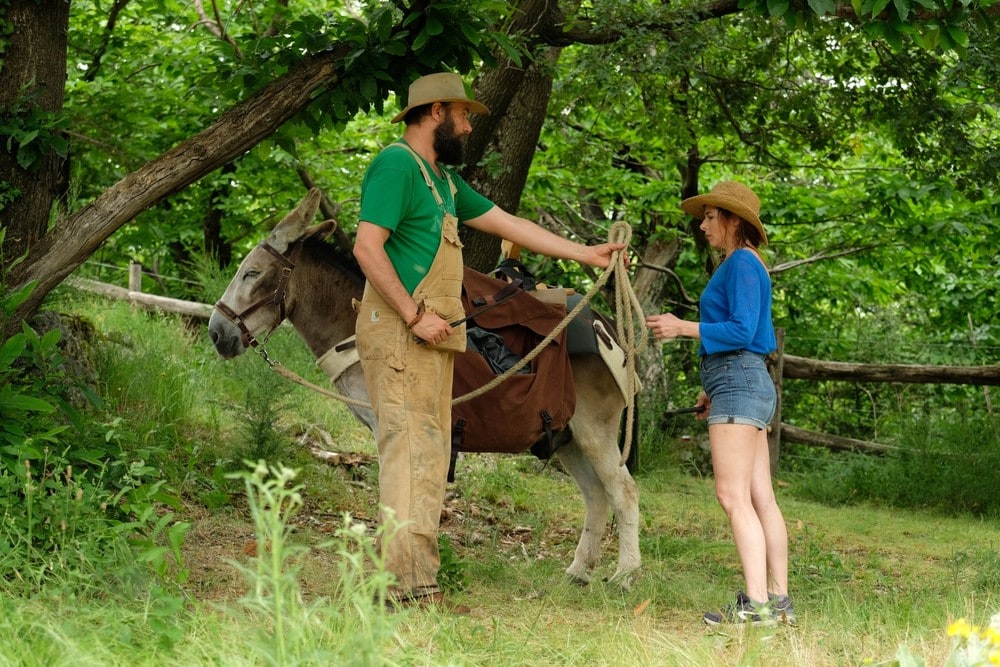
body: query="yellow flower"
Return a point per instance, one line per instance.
(960, 628)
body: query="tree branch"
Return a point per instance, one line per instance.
(820, 256)
(95, 65)
(673, 276)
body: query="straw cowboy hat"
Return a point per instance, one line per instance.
(732, 196)
(440, 87)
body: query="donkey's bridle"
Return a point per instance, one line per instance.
(276, 298)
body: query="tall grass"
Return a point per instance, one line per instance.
(877, 579)
(942, 465)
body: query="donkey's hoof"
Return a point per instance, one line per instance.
(580, 579)
(624, 580)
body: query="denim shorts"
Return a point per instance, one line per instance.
(740, 388)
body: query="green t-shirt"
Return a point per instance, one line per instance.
(395, 196)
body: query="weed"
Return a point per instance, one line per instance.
(295, 631)
(453, 574)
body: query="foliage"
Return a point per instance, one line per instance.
(933, 24)
(453, 575)
(72, 498)
(153, 54)
(258, 416)
(876, 155)
(941, 465)
(30, 133)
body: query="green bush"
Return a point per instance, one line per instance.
(949, 466)
(73, 500)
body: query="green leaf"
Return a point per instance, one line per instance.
(902, 8)
(510, 49)
(777, 7)
(958, 36)
(369, 88)
(822, 7)
(14, 299)
(22, 403)
(878, 6)
(12, 349)
(395, 47)
(929, 39)
(874, 29)
(27, 137)
(421, 41)
(433, 26)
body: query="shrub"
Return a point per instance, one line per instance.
(72, 500)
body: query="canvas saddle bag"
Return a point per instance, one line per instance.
(528, 407)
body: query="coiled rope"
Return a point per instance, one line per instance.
(630, 326)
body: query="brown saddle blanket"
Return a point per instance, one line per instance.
(527, 407)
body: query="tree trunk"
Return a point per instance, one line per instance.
(517, 98)
(33, 78)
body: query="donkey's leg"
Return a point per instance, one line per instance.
(621, 489)
(351, 383)
(595, 429)
(595, 522)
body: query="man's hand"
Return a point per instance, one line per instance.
(600, 255)
(431, 328)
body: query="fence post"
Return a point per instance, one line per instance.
(775, 366)
(135, 277)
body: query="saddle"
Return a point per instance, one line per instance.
(528, 409)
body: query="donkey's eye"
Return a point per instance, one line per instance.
(251, 274)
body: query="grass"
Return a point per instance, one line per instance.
(866, 579)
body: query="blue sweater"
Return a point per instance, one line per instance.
(736, 307)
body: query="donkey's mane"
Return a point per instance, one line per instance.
(329, 253)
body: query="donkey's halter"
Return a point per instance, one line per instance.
(276, 298)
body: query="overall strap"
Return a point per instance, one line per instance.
(427, 175)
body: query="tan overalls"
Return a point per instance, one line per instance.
(409, 385)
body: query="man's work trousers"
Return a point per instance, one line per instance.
(410, 387)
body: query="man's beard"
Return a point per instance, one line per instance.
(448, 144)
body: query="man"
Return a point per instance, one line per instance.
(408, 246)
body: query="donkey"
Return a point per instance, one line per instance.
(293, 273)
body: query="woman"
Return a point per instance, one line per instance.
(736, 333)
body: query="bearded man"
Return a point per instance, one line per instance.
(408, 246)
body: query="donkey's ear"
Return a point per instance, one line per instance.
(322, 230)
(293, 227)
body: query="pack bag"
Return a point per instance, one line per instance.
(527, 407)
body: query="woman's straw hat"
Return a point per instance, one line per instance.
(440, 87)
(732, 196)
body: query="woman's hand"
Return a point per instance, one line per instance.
(668, 326)
(706, 407)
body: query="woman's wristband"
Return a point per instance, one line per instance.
(416, 318)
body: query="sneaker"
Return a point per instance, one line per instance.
(744, 610)
(781, 608)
